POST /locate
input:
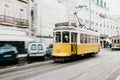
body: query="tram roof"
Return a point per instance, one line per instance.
(75, 29)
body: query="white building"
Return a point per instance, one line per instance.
(47, 13)
(14, 27)
(95, 15)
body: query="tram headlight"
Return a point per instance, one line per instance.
(57, 50)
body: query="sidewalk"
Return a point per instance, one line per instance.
(22, 55)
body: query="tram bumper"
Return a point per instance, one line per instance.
(61, 57)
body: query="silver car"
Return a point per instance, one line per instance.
(49, 50)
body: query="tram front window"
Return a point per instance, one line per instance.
(65, 37)
(58, 37)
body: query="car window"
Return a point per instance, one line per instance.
(40, 47)
(51, 46)
(33, 47)
(7, 48)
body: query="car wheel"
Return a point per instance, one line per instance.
(28, 57)
(16, 61)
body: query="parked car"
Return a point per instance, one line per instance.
(49, 50)
(36, 50)
(8, 53)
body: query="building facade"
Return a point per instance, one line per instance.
(93, 14)
(46, 14)
(14, 23)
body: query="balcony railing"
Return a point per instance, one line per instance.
(21, 22)
(7, 20)
(25, 1)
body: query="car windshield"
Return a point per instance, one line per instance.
(33, 47)
(7, 48)
(50, 46)
(40, 47)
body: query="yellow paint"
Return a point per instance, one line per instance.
(64, 50)
(61, 49)
(87, 48)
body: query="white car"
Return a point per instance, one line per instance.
(36, 50)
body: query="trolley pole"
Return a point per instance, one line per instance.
(75, 13)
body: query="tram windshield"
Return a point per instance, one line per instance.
(65, 37)
(62, 37)
(58, 37)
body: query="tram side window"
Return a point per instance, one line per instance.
(73, 37)
(54, 39)
(65, 37)
(118, 41)
(114, 40)
(85, 38)
(88, 39)
(92, 39)
(81, 38)
(97, 39)
(58, 37)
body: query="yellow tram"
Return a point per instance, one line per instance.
(115, 42)
(70, 42)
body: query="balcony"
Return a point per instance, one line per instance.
(25, 1)
(11, 21)
(102, 15)
(21, 22)
(7, 20)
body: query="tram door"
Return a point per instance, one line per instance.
(74, 43)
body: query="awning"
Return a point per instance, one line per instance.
(15, 38)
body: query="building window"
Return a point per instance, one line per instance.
(92, 11)
(7, 6)
(96, 24)
(101, 3)
(96, 13)
(81, 19)
(86, 21)
(7, 10)
(104, 4)
(92, 22)
(21, 14)
(97, 2)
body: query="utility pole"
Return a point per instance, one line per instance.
(29, 16)
(40, 20)
(90, 14)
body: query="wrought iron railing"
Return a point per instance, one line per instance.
(7, 20)
(21, 22)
